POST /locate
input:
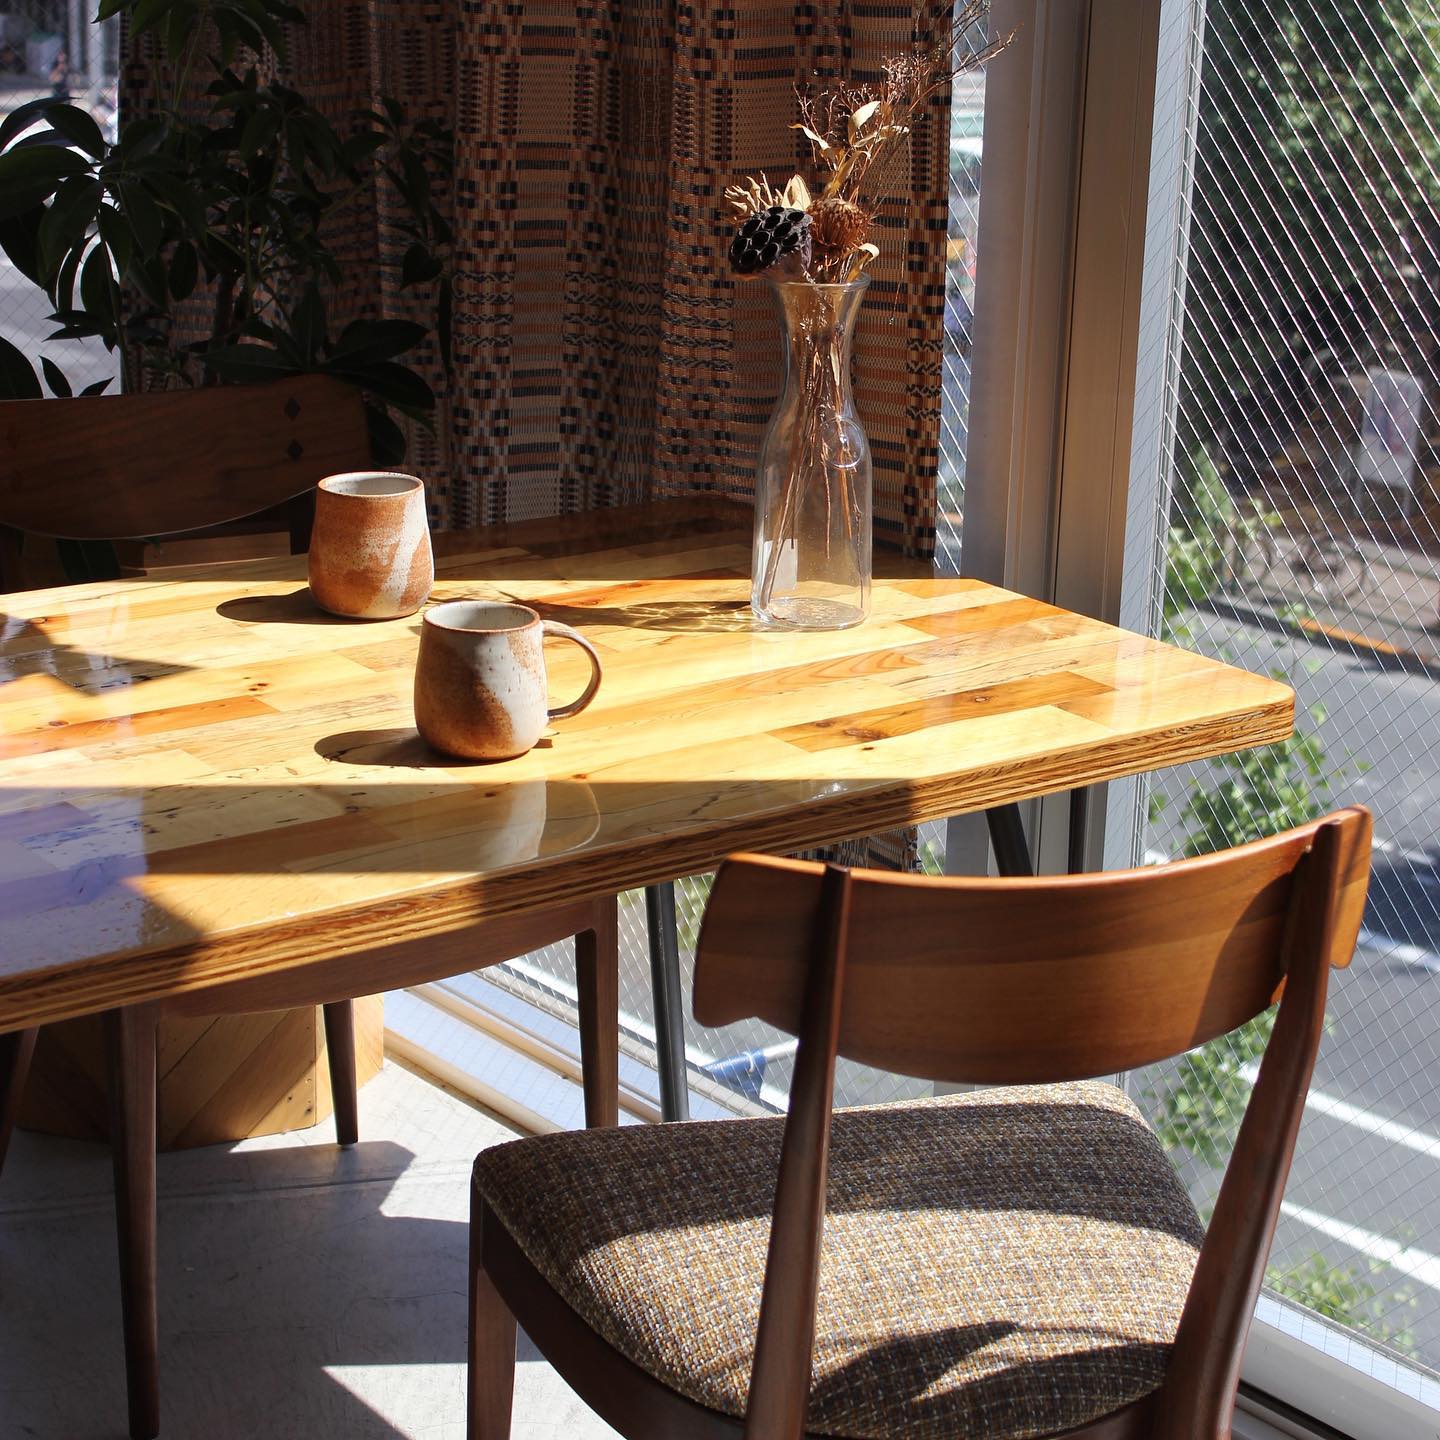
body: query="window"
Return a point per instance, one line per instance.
(1284, 514)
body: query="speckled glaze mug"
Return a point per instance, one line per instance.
(480, 687)
(370, 555)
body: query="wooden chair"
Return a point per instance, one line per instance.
(1001, 1263)
(112, 467)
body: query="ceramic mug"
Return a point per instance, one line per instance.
(480, 688)
(370, 549)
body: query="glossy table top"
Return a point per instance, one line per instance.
(205, 778)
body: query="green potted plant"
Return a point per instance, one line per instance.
(197, 244)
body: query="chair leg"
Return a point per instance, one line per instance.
(16, 1050)
(490, 1368)
(340, 1053)
(130, 1042)
(597, 978)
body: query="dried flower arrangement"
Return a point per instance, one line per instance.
(812, 504)
(821, 232)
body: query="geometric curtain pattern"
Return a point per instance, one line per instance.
(602, 353)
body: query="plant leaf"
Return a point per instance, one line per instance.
(184, 271)
(78, 127)
(179, 26)
(146, 220)
(859, 118)
(365, 340)
(395, 384)
(818, 141)
(419, 266)
(18, 380)
(68, 221)
(118, 237)
(147, 14)
(248, 362)
(797, 193)
(30, 176)
(55, 378)
(22, 117)
(98, 387)
(96, 278)
(20, 240)
(64, 292)
(387, 439)
(308, 324)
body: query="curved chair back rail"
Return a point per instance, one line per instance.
(1023, 981)
(111, 467)
(1008, 981)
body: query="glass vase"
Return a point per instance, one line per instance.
(811, 563)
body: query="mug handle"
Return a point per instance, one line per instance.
(564, 632)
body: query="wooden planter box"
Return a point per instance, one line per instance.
(220, 1079)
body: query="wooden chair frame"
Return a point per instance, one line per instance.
(781, 941)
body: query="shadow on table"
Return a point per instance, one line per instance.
(296, 607)
(677, 616)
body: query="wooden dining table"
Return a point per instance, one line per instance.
(206, 782)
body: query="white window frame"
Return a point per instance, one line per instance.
(1061, 316)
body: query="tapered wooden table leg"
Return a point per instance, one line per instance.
(130, 1043)
(16, 1049)
(344, 1084)
(597, 978)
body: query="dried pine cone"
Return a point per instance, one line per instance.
(837, 226)
(773, 235)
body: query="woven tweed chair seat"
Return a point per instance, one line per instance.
(1000, 1264)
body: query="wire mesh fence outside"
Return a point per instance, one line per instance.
(1301, 536)
(967, 125)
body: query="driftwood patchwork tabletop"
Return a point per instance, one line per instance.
(203, 779)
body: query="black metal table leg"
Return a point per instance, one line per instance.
(665, 991)
(1007, 836)
(1079, 820)
(1007, 839)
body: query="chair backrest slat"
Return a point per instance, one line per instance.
(1024, 981)
(112, 467)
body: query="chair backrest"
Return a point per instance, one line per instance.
(1012, 981)
(112, 467)
(1034, 981)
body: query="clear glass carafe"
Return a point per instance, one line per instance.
(811, 566)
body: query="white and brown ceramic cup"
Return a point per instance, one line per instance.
(370, 553)
(480, 688)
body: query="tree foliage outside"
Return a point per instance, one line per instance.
(1317, 169)
(1349, 1295)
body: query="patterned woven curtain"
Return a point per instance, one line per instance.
(602, 352)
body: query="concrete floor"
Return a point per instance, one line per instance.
(306, 1293)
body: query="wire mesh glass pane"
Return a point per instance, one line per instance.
(1299, 534)
(967, 128)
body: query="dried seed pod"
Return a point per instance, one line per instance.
(837, 226)
(776, 234)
